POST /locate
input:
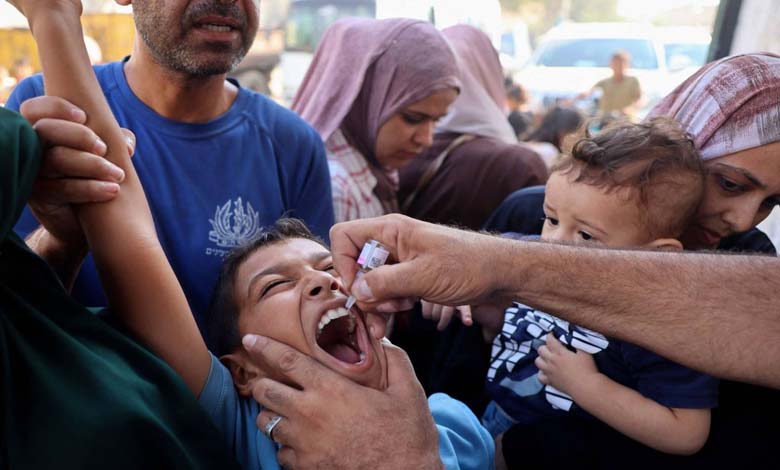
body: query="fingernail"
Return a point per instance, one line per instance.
(249, 341)
(254, 340)
(361, 290)
(130, 142)
(78, 115)
(112, 188)
(117, 174)
(100, 147)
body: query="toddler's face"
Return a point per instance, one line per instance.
(290, 292)
(580, 213)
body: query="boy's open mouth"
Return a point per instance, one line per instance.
(337, 334)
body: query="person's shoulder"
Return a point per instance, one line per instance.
(279, 121)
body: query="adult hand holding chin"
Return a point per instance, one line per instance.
(329, 421)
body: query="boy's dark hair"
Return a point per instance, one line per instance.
(222, 316)
(657, 158)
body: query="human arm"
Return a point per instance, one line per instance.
(321, 429)
(121, 233)
(723, 307)
(666, 429)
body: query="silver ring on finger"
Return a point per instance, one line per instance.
(269, 427)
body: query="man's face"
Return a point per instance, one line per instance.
(198, 37)
(289, 291)
(579, 213)
(618, 65)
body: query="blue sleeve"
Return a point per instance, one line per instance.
(463, 442)
(235, 418)
(669, 383)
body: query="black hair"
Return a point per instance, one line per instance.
(556, 124)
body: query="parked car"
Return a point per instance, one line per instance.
(686, 49)
(573, 57)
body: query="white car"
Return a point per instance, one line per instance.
(573, 57)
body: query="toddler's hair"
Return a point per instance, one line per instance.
(656, 159)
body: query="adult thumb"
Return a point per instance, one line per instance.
(391, 281)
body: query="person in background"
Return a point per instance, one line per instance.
(521, 118)
(620, 93)
(475, 160)
(548, 139)
(373, 92)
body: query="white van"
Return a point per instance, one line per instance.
(308, 19)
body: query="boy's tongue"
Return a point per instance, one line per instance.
(343, 353)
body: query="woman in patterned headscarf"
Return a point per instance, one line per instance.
(373, 92)
(732, 109)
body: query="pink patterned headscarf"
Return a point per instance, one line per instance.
(479, 110)
(729, 105)
(365, 71)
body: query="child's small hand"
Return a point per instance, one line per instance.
(562, 368)
(443, 314)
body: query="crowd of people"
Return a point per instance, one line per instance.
(196, 219)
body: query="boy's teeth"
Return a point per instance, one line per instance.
(334, 314)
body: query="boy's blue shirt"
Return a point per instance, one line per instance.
(213, 185)
(463, 443)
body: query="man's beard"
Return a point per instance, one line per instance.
(170, 48)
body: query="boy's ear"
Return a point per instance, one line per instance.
(665, 244)
(243, 371)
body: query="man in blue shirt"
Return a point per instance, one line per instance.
(217, 161)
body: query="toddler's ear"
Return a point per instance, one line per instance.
(665, 244)
(243, 371)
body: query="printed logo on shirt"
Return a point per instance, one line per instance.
(524, 331)
(233, 224)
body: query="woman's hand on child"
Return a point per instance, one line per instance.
(443, 314)
(562, 368)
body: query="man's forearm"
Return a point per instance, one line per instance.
(716, 313)
(65, 260)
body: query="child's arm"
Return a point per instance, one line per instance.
(135, 272)
(670, 430)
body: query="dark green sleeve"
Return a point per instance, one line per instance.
(20, 152)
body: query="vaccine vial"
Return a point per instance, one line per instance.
(373, 255)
